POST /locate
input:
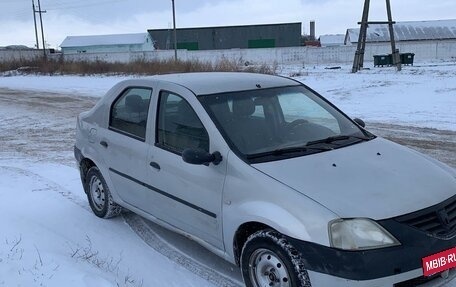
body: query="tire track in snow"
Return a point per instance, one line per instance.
(137, 224)
(50, 186)
(140, 227)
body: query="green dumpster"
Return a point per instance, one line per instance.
(407, 58)
(383, 60)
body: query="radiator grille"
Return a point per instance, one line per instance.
(438, 220)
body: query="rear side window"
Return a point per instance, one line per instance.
(129, 112)
(178, 126)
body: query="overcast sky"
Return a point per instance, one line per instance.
(91, 17)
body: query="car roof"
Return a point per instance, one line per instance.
(221, 82)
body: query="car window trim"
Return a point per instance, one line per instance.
(249, 90)
(130, 135)
(163, 147)
(111, 128)
(157, 119)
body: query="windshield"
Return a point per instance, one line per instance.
(272, 124)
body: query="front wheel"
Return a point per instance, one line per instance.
(99, 196)
(268, 259)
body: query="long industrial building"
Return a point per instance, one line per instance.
(229, 37)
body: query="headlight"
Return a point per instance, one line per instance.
(359, 234)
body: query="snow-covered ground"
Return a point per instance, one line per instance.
(49, 237)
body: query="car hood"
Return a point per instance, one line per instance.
(377, 179)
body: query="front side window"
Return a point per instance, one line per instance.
(278, 123)
(178, 126)
(129, 112)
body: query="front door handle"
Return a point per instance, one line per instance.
(104, 144)
(155, 165)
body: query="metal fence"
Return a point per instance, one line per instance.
(424, 51)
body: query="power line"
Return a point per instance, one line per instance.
(34, 21)
(40, 12)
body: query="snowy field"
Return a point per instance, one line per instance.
(50, 237)
(423, 96)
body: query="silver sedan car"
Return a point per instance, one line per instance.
(269, 175)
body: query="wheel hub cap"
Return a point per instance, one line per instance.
(97, 193)
(267, 269)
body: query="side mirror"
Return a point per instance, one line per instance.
(200, 157)
(360, 122)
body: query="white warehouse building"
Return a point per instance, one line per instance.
(426, 39)
(137, 42)
(411, 32)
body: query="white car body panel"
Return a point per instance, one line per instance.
(376, 179)
(251, 196)
(201, 186)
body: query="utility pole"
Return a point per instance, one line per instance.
(396, 55)
(358, 62)
(42, 30)
(36, 28)
(175, 32)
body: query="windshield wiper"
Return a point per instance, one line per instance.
(282, 151)
(308, 148)
(332, 139)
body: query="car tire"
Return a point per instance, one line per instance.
(268, 259)
(99, 196)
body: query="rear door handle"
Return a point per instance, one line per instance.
(104, 144)
(155, 165)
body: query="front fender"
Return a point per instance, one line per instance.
(251, 196)
(276, 217)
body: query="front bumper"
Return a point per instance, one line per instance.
(377, 267)
(400, 280)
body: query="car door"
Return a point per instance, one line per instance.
(187, 196)
(124, 147)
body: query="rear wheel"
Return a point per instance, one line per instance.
(99, 196)
(268, 259)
